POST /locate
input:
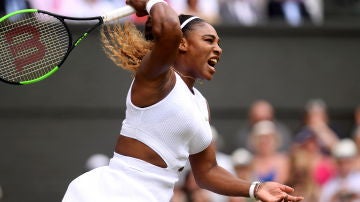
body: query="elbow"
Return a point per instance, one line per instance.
(202, 183)
(169, 30)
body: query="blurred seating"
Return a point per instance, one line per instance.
(302, 171)
(205, 9)
(269, 164)
(345, 185)
(317, 120)
(242, 12)
(261, 110)
(320, 165)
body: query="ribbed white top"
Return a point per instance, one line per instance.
(175, 127)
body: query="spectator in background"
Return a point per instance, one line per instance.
(8, 6)
(242, 162)
(205, 9)
(14, 5)
(356, 120)
(319, 165)
(53, 6)
(96, 7)
(261, 110)
(356, 133)
(242, 12)
(79, 8)
(357, 115)
(356, 138)
(345, 186)
(301, 176)
(293, 12)
(268, 163)
(315, 9)
(317, 120)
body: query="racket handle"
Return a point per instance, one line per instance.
(118, 13)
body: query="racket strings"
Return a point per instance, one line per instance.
(10, 72)
(36, 73)
(31, 46)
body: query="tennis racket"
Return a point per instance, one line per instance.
(35, 43)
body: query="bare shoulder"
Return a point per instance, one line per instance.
(146, 92)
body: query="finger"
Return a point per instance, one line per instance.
(283, 198)
(280, 200)
(294, 198)
(287, 189)
(286, 198)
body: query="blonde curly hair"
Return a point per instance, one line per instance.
(125, 45)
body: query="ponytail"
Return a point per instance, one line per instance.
(125, 45)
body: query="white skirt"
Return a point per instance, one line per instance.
(126, 179)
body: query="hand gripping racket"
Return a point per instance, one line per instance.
(35, 43)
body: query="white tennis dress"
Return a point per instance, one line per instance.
(175, 127)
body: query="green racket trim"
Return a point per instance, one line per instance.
(81, 38)
(40, 78)
(18, 12)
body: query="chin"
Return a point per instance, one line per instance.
(210, 77)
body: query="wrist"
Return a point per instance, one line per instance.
(151, 3)
(253, 189)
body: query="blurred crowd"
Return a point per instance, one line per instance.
(238, 12)
(319, 162)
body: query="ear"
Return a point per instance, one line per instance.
(183, 45)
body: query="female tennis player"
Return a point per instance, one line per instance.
(167, 119)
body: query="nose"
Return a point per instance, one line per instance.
(217, 50)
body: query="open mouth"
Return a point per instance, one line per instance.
(213, 61)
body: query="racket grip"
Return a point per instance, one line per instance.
(118, 13)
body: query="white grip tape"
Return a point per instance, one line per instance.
(118, 13)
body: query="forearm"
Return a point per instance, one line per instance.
(220, 181)
(210, 176)
(165, 23)
(163, 29)
(326, 135)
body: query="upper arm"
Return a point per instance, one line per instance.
(153, 79)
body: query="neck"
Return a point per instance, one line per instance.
(189, 80)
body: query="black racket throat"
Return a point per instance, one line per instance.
(69, 22)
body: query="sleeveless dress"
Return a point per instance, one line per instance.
(175, 128)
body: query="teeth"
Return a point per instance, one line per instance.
(213, 61)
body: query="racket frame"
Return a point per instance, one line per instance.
(71, 44)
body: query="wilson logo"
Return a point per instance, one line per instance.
(25, 51)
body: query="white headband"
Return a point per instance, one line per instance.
(187, 21)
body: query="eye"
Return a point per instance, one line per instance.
(209, 40)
